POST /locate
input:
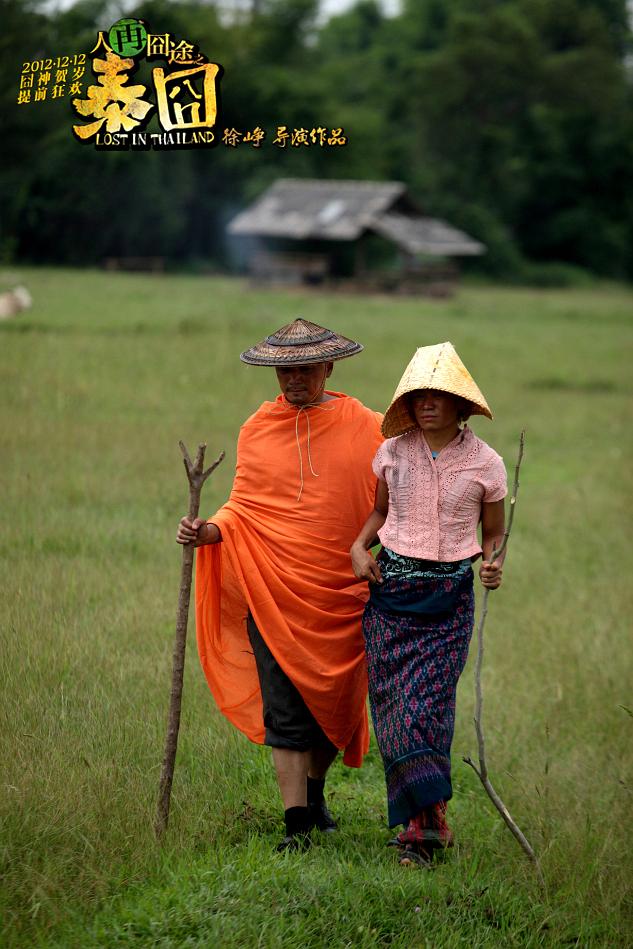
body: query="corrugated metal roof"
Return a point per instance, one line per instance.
(427, 235)
(343, 210)
(303, 208)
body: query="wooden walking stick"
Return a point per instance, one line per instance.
(482, 770)
(196, 477)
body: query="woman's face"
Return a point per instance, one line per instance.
(434, 410)
(303, 384)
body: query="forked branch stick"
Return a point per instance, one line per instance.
(196, 477)
(482, 770)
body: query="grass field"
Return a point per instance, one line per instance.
(99, 381)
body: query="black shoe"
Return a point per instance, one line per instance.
(294, 843)
(298, 826)
(321, 818)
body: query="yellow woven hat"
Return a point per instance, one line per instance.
(432, 367)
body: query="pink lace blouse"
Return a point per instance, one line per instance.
(435, 505)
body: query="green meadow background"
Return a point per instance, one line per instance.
(99, 381)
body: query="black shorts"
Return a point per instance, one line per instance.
(288, 721)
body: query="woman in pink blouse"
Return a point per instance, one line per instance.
(436, 482)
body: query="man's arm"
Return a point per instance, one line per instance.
(198, 532)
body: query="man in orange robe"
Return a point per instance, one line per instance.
(278, 608)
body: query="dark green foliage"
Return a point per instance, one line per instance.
(511, 118)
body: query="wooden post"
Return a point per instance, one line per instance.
(360, 261)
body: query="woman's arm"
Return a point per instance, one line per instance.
(492, 528)
(363, 563)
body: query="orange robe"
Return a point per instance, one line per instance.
(286, 558)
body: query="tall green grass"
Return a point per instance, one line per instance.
(99, 381)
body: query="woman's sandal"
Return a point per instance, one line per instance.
(410, 857)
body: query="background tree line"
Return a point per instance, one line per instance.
(511, 118)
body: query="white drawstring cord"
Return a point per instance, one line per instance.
(300, 409)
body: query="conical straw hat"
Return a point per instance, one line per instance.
(300, 343)
(432, 367)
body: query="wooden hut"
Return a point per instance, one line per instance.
(302, 230)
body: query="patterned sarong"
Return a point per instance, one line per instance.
(417, 626)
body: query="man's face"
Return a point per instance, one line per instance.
(303, 384)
